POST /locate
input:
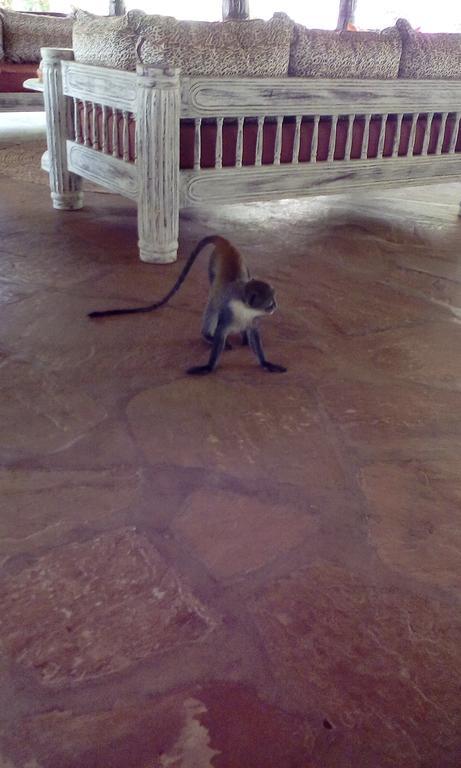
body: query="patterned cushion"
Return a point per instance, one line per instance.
(2, 53)
(252, 48)
(429, 56)
(25, 33)
(106, 41)
(337, 55)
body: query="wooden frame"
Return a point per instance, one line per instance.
(107, 102)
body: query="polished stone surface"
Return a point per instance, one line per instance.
(247, 570)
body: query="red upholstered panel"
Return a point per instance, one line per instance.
(229, 138)
(12, 76)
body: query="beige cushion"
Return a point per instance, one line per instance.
(351, 55)
(106, 41)
(24, 34)
(252, 48)
(429, 56)
(2, 53)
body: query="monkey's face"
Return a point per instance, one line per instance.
(260, 296)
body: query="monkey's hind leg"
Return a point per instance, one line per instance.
(257, 347)
(219, 343)
(209, 323)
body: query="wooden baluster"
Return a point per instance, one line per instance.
(94, 108)
(114, 132)
(365, 139)
(239, 147)
(332, 141)
(315, 139)
(296, 141)
(427, 133)
(278, 140)
(105, 137)
(86, 127)
(126, 137)
(397, 137)
(197, 142)
(235, 9)
(350, 127)
(454, 135)
(411, 140)
(69, 118)
(218, 151)
(134, 149)
(259, 142)
(382, 135)
(441, 136)
(77, 132)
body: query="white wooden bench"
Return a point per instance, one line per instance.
(91, 113)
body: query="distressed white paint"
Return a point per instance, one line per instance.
(297, 140)
(126, 137)
(197, 143)
(114, 132)
(110, 172)
(454, 135)
(86, 126)
(315, 139)
(411, 140)
(239, 147)
(157, 99)
(332, 141)
(105, 86)
(218, 150)
(259, 141)
(348, 147)
(76, 120)
(382, 135)
(441, 136)
(427, 133)
(397, 136)
(94, 115)
(65, 187)
(285, 181)
(365, 138)
(105, 129)
(234, 97)
(157, 150)
(278, 140)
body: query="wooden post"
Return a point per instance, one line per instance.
(235, 9)
(157, 160)
(346, 13)
(116, 8)
(66, 187)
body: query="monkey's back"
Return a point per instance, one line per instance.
(226, 266)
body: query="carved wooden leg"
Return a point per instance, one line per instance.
(66, 187)
(157, 159)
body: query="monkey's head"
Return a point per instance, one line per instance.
(260, 296)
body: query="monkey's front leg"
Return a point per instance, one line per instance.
(257, 347)
(219, 342)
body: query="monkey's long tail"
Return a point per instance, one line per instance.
(135, 310)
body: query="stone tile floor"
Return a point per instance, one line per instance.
(244, 571)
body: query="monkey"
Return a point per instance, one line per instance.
(235, 301)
